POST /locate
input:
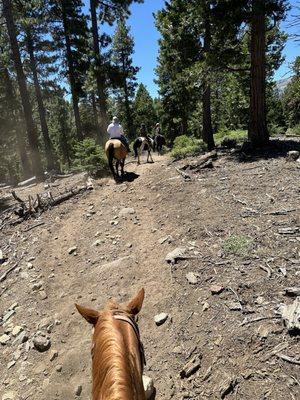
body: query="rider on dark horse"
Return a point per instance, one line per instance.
(115, 131)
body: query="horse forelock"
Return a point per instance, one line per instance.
(113, 372)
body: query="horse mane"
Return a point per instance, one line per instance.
(112, 373)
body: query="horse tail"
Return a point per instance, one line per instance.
(110, 156)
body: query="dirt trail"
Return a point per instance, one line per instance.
(119, 251)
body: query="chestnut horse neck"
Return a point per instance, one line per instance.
(118, 358)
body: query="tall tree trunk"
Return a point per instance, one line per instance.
(129, 116)
(30, 126)
(258, 131)
(71, 73)
(42, 112)
(208, 135)
(100, 79)
(14, 118)
(95, 112)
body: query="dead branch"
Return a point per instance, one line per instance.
(39, 205)
(246, 321)
(34, 226)
(267, 270)
(4, 276)
(16, 197)
(183, 174)
(288, 359)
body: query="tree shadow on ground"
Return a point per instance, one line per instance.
(278, 148)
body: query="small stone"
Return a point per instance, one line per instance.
(37, 286)
(72, 249)
(129, 245)
(234, 306)
(148, 386)
(53, 355)
(292, 291)
(41, 343)
(216, 289)
(4, 339)
(17, 330)
(21, 338)
(293, 155)
(191, 278)
(11, 364)
(126, 211)
(17, 354)
(165, 239)
(43, 295)
(9, 396)
(29, 265)
(78, 390)
(175, 255)
(58, 368)
(160, 318)
(97, 243)
(205, 306)
(22, 378)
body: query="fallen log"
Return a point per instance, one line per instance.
(35, 207)
(204, 161)
(28, 181)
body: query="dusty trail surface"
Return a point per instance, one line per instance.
(229, 221)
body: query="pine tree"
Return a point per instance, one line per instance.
(30, 125)
(71, 32)
(179, 51)
(144, 112)
(122, 50)
(35, 25)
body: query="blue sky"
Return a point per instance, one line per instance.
(146, 42)
(146, 38)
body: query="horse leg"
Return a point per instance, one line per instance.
(139, 156)
(117, 167)
(111, 165)
(150, 156)
(122, 162)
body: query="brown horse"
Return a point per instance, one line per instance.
(117, 351)
(116, 150)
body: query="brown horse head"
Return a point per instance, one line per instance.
(117, 351)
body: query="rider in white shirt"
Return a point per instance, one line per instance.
(115, 131)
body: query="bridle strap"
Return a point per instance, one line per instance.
(137, 333)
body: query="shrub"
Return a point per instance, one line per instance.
(237, 245)
(238, 135)
(187, 146)
(89, 156)
(228, 142)
(295, 131)
(276, 130)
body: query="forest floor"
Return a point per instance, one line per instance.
(231, 222)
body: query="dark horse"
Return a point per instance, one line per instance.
(116, 150)
(143, 143)
(159, 142)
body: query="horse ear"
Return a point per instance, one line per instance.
(90, 315)
(135, 304)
